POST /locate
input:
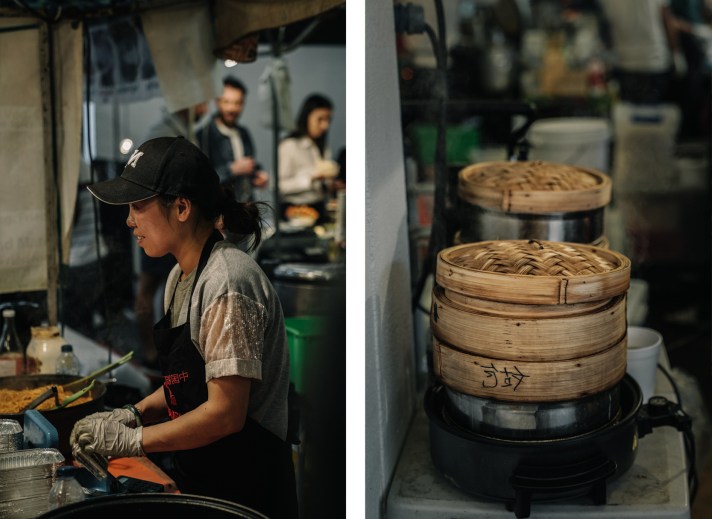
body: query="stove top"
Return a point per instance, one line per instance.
(654, 487)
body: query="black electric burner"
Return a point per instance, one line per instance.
(519, 472)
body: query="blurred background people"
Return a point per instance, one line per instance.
(305, 164)
(229, 146)
(643, 44)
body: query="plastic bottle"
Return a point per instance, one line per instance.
(67, 362)
(11, 350)
(66, 489)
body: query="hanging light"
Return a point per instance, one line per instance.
(229, 63)
(125, 146)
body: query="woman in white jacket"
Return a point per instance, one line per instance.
(305, 163)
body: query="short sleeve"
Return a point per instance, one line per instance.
(232, 337)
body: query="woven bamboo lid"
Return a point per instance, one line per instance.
(534, 187)
(533, 272)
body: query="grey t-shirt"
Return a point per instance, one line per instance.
(236, 323)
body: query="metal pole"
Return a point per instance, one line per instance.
(49, 122)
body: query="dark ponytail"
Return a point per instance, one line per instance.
(241, 218)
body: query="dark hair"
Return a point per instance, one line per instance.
(233, 82)
(240, 218)
(311, 103)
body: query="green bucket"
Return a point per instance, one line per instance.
(304, 334)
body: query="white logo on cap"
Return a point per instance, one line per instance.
(134, 158)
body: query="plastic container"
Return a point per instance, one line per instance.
(303, 335)
(67, 362)
(461, 143)
(44, 349)
(66, 489)
(579, 141)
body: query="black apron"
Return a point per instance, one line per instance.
(253, 467)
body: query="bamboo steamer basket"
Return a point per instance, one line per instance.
(532, 200)
(533, 272)
(534, 187)
(525, 381)
(538, 335)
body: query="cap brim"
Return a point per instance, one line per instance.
(119, 191)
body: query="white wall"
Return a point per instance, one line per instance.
(390, 377)
(312, 68)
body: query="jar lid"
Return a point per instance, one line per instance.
(310, 272)
(533, 272)
(534, 187)
(45, 331)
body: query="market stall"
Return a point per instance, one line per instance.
(60, 62)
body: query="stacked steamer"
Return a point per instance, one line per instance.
(529, 337)
(532, 200)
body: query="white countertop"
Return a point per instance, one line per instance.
(654, 487)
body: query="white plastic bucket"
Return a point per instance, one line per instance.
(579, 141)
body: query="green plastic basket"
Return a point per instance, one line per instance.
(303, 335)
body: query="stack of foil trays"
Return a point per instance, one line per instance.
(10, 435)
(26, 478)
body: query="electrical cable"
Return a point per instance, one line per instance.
(438, 229)
(688, 440)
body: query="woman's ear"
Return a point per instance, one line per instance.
(183, 208)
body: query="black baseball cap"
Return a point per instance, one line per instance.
(162, 166)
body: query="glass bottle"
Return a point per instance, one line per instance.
(67, 362)
(11, 351)
(66, 489)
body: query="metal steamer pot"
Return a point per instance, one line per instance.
(482, 224)
(62, 419)
(309, 288)
(533, 420)
(519, 472)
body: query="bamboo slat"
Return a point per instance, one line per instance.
(534, 187)
(522, 381)
(530, 339)
(520, 310)
(533, 272)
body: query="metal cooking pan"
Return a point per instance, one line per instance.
(65, 418)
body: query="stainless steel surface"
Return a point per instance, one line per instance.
(309, 289)
(517, 420)
(310, 272)
(479, 224)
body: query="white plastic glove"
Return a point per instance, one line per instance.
(107, 437)
(121, 415)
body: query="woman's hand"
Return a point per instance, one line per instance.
(107, 437)
(325, 169)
